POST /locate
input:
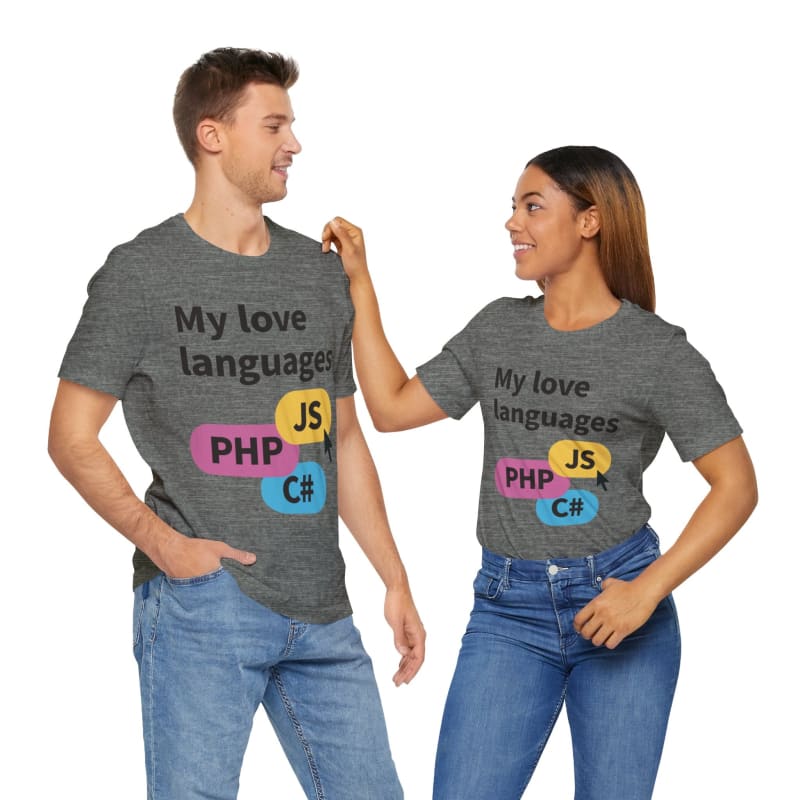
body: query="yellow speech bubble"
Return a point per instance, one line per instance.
(574, 459)
(304, 416)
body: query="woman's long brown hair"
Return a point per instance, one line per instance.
(595, 177)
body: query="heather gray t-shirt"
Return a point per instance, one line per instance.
(228, 368)
(572, 420)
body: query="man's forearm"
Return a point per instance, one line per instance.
(88, 466)
(362, 508)
(78, 415)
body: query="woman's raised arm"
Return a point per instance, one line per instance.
(395, 401)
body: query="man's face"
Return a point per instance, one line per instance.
(259, 144)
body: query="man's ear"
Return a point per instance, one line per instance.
(590, 222)
(209, 135)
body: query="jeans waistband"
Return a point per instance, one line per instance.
(597, 563)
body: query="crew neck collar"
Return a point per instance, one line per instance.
(187, 229)
(603, 324)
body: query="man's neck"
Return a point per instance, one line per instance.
(228, 222)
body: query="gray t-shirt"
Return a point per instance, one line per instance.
(572, 419)
(228, 368)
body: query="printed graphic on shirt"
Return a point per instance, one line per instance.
(528, 479)
(242, 451)
(304, 416)
(577, 459)
(534, 418)
(550, 481)
(302, 492)
(575, 507)
(270, 451)
(248, 368)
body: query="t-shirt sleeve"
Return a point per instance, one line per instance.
(110, 337)
(689, 402)
(343, 365)
(449, 376)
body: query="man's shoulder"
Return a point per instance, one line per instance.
(146, 242)
(290, 242)
(276, 229)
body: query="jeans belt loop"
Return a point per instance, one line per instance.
(591, 563)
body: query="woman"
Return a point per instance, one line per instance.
(577, 388)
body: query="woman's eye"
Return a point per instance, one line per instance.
(532, 206)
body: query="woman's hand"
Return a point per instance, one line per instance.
(618, 611)
(623, 606)
(395, 402)
(348, 239)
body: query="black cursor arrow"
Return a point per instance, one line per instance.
(328, 445)
(602, 481)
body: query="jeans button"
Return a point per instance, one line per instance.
(553, 569)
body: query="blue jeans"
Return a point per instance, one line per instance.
(208, 655)
(521, 660)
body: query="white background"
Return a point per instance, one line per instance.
(416, 120)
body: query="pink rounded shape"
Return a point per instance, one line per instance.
(528, 479)
(242, 451)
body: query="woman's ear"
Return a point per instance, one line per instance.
(590, 222)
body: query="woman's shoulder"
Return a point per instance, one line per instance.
(649, 324)
(502, 307)
(492, 318)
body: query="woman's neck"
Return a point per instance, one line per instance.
(571, 304)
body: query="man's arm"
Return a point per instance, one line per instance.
(79, 414)
(362, 509)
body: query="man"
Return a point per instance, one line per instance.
(227, 338)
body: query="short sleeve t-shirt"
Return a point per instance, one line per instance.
(228, 368)
(572, 419)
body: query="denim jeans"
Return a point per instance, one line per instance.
(208, 655)
(521, 660)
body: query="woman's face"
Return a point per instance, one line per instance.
(546, 231)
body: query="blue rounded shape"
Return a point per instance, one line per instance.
(574, 507)
(303, 491)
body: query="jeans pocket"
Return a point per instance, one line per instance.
(635, 565)
(196, 580)
(487, 585)
(146, 606)
(138, 613)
